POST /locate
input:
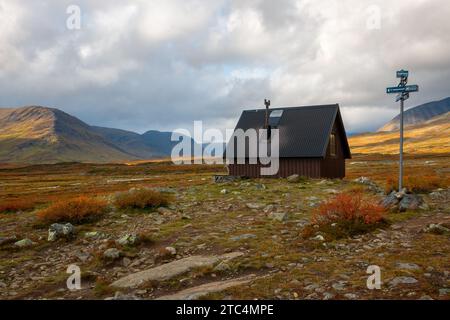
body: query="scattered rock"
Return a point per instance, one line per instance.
(426, 297)
(172, 269)
(278, 216)
(243, 237)
(339, 285)
(222, 266)
(224, 191)
(402, 201)
(202, 290)
(436, 229)
(112, 254)
(171, 250)
(260, 186)
(164, 211)
(58, 230)
(92, 234)
(318, 238)
(223, 179)
(126, 262)
(83, 256)
(128, 240)
(293, 178)
(351, 296)
(370, 184)
(410, 202)
(328, 296)
(120, 296)
(407, 266)
(402, 280)
(444, 291)
(24, 243)
(254, 205)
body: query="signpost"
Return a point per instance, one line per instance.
(403, 91)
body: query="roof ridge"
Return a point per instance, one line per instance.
(298, 107)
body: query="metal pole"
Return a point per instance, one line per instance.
(400, 176)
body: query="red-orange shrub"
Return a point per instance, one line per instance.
(141, 199)
(77, 210)
(16, 205)
(349, 207)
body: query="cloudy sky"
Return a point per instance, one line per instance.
(161, 64)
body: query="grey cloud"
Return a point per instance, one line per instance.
(142, 65)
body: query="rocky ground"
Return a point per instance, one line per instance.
(232, 240)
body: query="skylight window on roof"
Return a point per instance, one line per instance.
(275, 117)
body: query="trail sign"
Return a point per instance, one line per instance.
(401, 89)
(402, 74)
(402, 96)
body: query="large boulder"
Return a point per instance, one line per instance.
(410, 202)
(57, 231)
(402, 201)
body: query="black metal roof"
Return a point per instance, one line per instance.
(304, 131)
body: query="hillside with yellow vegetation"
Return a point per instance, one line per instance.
(431, 137)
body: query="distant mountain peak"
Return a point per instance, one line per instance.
(419, 114)
(38, 134)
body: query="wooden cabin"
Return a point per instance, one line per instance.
(312, 141)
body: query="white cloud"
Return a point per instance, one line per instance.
(142, 65)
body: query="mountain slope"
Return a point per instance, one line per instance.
(431, 136)
(46, 135)
(419, 114)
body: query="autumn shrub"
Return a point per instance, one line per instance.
(390, 185)
(347, 214)
(15, 205)
(141, 199)
(423, 184)
(78, 210)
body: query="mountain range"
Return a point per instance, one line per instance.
(419, 114)
(37, 134)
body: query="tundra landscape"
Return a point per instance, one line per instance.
(238, 152)
(155, 230)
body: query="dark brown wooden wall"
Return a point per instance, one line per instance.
(309, 167)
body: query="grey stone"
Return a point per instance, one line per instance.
(402, 280)
(351, 296)
(436, 228)
(339, 285)
(207, 288)
(444, 291)
(222, 266)
(243, 237)
(318, 238)
(293, 178)
(112, 254)
(407, 266)
(171, 250)
(278, 216)
(128, 240)
(172, 269)
(328, 296)
(410, 202)
(254, 205)
(58, 230)
(224, 191)
(24, 243)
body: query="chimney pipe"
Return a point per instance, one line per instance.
(266, 120)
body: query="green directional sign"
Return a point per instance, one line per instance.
(409, 88)
(402, 74)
